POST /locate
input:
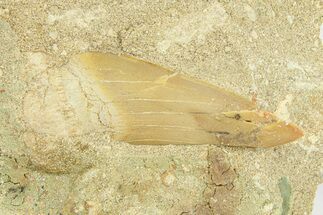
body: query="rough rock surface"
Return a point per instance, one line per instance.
(65, 162)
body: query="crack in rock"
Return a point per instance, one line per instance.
(221, 195)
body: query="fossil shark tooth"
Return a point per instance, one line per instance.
(152, 105)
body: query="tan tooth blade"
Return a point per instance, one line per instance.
(152, 105)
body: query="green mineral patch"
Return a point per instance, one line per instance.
(285, 192)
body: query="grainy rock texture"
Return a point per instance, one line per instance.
(66, 163)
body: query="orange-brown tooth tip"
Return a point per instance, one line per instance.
(278, 133)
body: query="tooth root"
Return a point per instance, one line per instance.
(152, 105)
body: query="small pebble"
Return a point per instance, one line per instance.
(227, 49)
(168, 178)
(53, 35)
(254, 34)
(250, 13)
(55, 48)
(290, 19)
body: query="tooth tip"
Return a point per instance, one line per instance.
(279, 133)
(296, 131)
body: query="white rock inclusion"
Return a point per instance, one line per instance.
(193, 26)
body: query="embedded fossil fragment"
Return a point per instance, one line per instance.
(221, 188)
(148, 104)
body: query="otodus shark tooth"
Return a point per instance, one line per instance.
(152, 105)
